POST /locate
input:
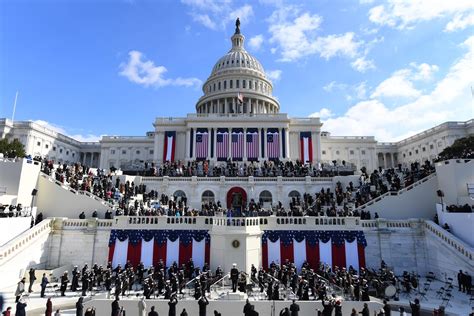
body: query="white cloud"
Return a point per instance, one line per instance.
(398, 85)
(460, 22)
(361, 90)
(256, 42)
(205, 20)
(144, 72)
(333, 85)
(406, 13)
(274, 75)
(322, 114)
(362, 65)
(450, 99)
(62, 130)
(336, 45)
(216, 14)
(366, 1)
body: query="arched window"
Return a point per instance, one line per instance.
(265, 198)
(207, 197)
(294, 194)
(179, 195)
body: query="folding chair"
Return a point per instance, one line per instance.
(446, 300)
(440, 292)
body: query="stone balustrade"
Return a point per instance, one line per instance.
(249, 179)
(450, 240)
(23, 240)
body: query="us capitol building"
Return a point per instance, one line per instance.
(238, 118)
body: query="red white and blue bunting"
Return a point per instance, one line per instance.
(334, 248)
(151, 246)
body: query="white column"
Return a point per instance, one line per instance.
(215, 143)
(244, 158)
(265, 154)
(280, 143)
(193, 154)
(188, 142)
(225, 106)
(287, 143)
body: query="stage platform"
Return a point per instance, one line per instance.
(458, 305)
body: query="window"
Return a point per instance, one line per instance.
(38, 143)
(424, 148)
(112, 151)
(179, 195)
(416, 151)
(225, 84)
(431, 146)
(294, 194)
(404, 155)
(362, 152)
(351, 152)
(137, 152)
(67, 152)
(207, 197)
(46, 146)
(244, 84)
(73, 154)
(409, 154)
(151, 151)
(60, 150)
(219, 86)
(324, 152)
(237, 84)
(214, 86)
(230, 84)
(265, 197)
(54, 148)
(124, 152)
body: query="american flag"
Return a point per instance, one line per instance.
(202, 142)
(273, 146)
(237, 145)
(222, 145)
(252, 145)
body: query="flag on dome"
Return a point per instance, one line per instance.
(240, 97)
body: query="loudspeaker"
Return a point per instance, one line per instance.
(33, 193)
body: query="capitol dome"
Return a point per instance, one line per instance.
(237, 84)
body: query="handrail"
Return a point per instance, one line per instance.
(15, 245)
(78, 192)
(215, 285)
(450, 240)
(396, 193)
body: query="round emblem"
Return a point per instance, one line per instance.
(236, 243)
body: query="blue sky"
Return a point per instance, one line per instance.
(91, 68)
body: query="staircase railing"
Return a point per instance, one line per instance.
(78, 192)
(450, 240)
(19, 243)
(396, 193)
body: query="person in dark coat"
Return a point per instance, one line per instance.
(294, 309)
(64, 282)
(460, 280)
(49, 308)
(203, 302)
(44, 283)
(172, 304)
(365, 311)
(415, 307)
(32, 279)
(80, 307)
(337, 309)
(115, 307)
(247, 308)
(327, 308)
(387, 308)
(234, 276)
(184, 312)
(20, 308)
(152, 312)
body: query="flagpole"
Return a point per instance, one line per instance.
(14, 106)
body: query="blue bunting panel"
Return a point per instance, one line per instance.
(314, 236)
(161, 236)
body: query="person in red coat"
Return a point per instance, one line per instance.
(49, 308)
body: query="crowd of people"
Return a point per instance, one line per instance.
(229, 168)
